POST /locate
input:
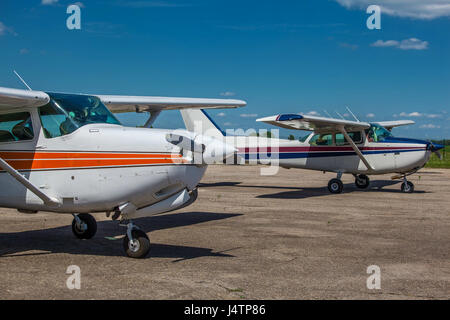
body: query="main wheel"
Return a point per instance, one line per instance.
(139, 246)
(407, 187)
(88, 227)
(362, 181)
(335, 186)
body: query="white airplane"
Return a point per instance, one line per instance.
(68, 153)
(335, 145)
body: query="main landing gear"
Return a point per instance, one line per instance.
(84, 226)
(362, 181)
(136, 242)
(335, 185)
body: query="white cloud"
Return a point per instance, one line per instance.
(24, 51)
(227, 94)
(433, 116)
(313, 113)
(48, 2)
(412, 114)
(4, 30)
(228, 124)
(222, 114)
(429, 126)
(407, 44)
(416, 9)
(249, 115)
(370, 115)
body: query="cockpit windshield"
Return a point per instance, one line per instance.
(65, 113)
(378, 133)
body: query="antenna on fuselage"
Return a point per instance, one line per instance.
(23, 81)
(340, 115)
(352, 114)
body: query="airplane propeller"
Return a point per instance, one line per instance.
(435, 149)
(204, 148)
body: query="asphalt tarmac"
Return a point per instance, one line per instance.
(249, 237)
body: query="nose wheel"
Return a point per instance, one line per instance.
(84, 226)
(136, 242)
(407, 186)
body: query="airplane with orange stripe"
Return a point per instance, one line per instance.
(68, 153)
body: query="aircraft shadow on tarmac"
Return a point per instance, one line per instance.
(302, 193)
(61, 239)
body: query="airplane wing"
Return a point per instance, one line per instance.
(119, 104)
(392, 124)
(17, 98)
(313, 123)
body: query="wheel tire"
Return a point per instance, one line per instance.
(335, 186)
(90, 223)
(140, 248)
(362, 181)
(407, 187)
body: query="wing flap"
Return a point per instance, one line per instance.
(118, 104)
(313, 123)
(17, 98)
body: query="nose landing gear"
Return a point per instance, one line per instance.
(136, 242)
(407, 186)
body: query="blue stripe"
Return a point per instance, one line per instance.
(295, 155)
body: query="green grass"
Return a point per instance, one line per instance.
(435, 162)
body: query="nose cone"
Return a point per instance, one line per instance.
(215, 150)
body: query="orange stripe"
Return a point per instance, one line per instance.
(83, 155)
(80, 163)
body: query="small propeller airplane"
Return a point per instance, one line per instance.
(335, 145)
(68, 153)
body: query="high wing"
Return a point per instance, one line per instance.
(118, 104)
(17, 98)
(325, 125)
(312, 123)
(392, 124)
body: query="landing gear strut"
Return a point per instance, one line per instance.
(84, 226)
(362, 181)
(407, 186)
(136, 242)
(335, 185)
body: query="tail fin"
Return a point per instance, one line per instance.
(198, 121)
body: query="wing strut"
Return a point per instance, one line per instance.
(25, 182)
(355, 148)
(152, 118)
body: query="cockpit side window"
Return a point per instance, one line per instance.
(378, 133)
(66, 113)
(322, 140)
(16, 127)
(355, 136)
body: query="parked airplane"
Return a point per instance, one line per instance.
(68, 153)
(335, 145)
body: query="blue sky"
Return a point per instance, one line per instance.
(279, 56)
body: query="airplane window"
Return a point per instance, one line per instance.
(321, 140)
(355, 136)
(66, 113)
(378, 133)
(16, 127)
